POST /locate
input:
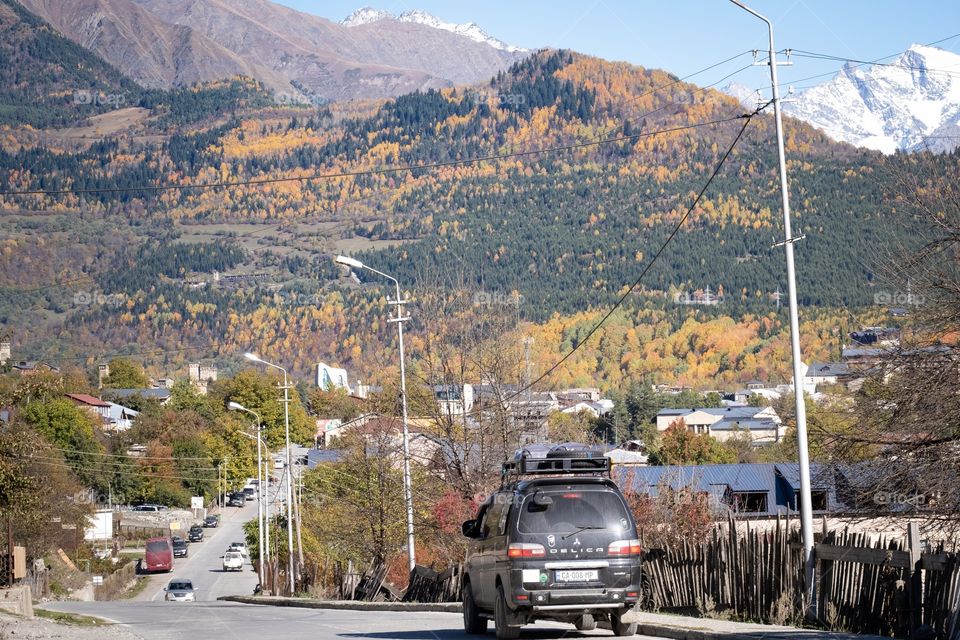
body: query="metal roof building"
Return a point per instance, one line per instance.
(754, 489)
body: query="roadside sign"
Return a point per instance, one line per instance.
(196, 502)
(175, 526)
(97, 581)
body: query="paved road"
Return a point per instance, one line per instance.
(203, 564)
(229, 621)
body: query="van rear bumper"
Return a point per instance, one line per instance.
(575, 599)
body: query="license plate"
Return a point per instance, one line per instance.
(580, 575)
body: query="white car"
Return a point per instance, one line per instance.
(238, 546)
(233, 561)
(180, 590)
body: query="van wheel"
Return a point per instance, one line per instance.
(501, 615)
(473, 622)
(586, 622)
(621, 628)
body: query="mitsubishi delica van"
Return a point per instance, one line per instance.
(556, 541)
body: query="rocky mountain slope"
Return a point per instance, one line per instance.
(909, 104)
(166, 43)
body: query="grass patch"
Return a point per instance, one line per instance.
(69, 618)
(136, 589)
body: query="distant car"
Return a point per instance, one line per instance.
(211, 522)
(249, 493)
(233, 561)
(146, 507)
(238, 546)
(236, 500)
(195, 534)
(180, 590)
(179, 547)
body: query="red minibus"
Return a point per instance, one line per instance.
(158, 555)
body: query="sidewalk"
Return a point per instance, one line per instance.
(684, 628)
(648, 624)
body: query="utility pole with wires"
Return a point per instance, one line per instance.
(806, 510)
(299, 505)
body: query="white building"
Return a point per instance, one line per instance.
(454, 399)
(762, 423)
(822, 373)
(332, 378)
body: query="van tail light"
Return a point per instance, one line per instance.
(525, 550)
(625, 548)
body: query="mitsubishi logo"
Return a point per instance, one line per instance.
(576, 542)
(552, 540)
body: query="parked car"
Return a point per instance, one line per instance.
(179, 547)
(151, 508)
(195, 534)
(158, 555)
(238, 546)
(211, 521)
(556, 541)
(180, 590)
(232, 561)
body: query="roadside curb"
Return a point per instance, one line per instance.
(350, 605)
(684, 628)
(663, 626)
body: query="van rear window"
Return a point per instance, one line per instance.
(157, 546)
(572, 510)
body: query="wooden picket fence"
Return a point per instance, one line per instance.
(754, 575)
(883, 586)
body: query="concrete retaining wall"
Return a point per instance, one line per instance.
(17, 600)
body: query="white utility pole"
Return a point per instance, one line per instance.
(399, 320)
(291, 566)
(806, 507)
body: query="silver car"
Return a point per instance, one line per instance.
(180, 590)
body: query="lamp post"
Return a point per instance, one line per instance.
(806, 507)
(286, 421)
(399, 319)
(262, 529)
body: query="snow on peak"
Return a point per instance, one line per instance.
(470, 30)
(905, 104)
(366, 15)
(467, 29)
(745, 95)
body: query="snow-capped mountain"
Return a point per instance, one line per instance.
(910, 104)
(469, 30)
(748, 97)
(366, 15)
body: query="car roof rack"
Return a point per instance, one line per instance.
(565, 459)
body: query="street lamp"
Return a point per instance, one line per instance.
(286, 421)
(806, 506)
(263, 522)
(400, 319)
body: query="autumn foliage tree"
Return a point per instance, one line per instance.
(678, 445)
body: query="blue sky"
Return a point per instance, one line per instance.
(683, 36)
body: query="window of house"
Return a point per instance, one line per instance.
(818, 498)
(749, 501)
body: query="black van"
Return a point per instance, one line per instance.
(556, 541)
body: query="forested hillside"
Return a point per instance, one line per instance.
(555, 183)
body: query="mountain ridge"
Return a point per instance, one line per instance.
(910, 104)
(169, 43)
